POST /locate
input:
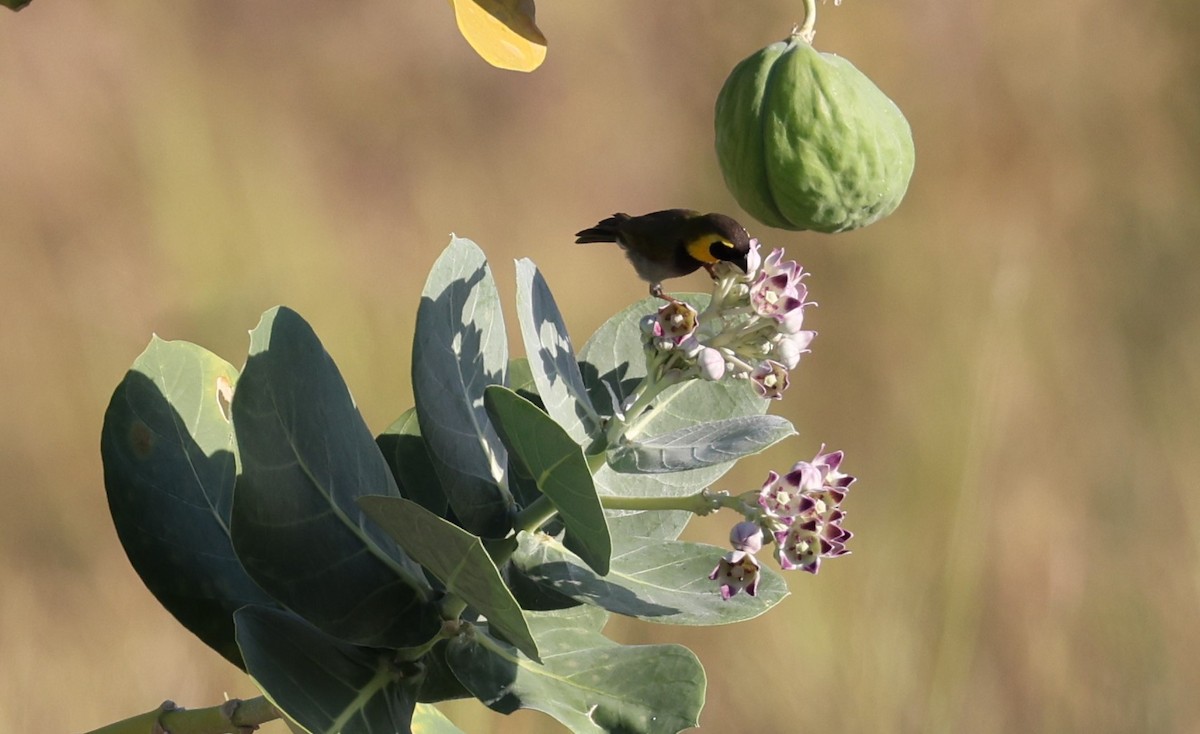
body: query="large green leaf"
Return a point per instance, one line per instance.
(170, 461)
(459, 349)
(701, 445)
(551, 356)
(651, 579)
(458, 559)
(588, 682)
(307, 456)
(438, 682)
(520, 484)
(558, 467)
(614, 357)
(322, 683)
(408, 458)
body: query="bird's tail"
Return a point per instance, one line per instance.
(606, 231)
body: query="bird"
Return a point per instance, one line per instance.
(672, 242)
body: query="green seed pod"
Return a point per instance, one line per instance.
(806, 141)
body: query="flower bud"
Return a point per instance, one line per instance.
(746, 536)
(788, 352)
(711, 363)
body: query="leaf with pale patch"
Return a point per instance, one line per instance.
(588, 682)
(170, 461)
(458, 350)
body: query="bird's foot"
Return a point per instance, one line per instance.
(656, 290)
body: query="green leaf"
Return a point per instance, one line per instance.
(428, 720)
(520, 377)
(651, 579)
(170, 461)
(559, 469)
(408, 458)
(520, 484)
(701, 445)
(588, 682)
(458, 559)
(307, 456)
(15, 4)
(531, 596)
(552, 358)
(439, 682)
(614, 356)
(320, 682)
(459, 349)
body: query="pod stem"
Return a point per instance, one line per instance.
(808, 30)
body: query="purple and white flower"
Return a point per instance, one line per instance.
(752, 327)
(802, 511)
(737, 571)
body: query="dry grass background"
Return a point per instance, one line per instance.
(1010, 360)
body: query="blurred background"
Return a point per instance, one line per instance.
(1010, 361)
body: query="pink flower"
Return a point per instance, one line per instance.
(780, 497)
(675, 321)
(737, 571)
(770, 379)
(804, 507)
(804, 544)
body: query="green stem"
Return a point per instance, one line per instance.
(231, 717)
(452, 607)
(717, 302)
(638, 413)
(596, 461)
(701, 503)
(654, 368)
(808, 30)
(537, 514)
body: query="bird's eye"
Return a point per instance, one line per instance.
(721, 250)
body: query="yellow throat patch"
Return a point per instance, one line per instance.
(699, 248)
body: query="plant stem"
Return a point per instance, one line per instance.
(701, 503)
(638, 414)
(808, 30)
(452, 607)
(596, 461)
(231, 717)
(534, 516)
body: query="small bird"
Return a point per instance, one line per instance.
(672, 243)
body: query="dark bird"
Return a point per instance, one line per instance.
(672, 243)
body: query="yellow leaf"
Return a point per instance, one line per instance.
(503, 32)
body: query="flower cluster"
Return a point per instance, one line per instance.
(752, 327)
(800, 512)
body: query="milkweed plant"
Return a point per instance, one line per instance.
(477, 546)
